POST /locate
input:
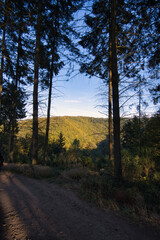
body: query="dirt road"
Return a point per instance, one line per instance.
(38, 210)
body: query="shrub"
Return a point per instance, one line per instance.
(151, 194)
(35, 171)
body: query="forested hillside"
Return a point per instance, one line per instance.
(89, 131)
(45, 45)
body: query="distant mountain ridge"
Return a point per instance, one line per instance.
(88, 130)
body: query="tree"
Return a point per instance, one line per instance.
(52, 21)
(147, 151)
(58, 36)
(151, 14)
(156, 94)
(3, 50)
(7, 111)
(153, 138)
(100, 64)
(110, 93)
(17, 29)
(35, 90)
(61, 142)
(75, 144)
(115, 84)
(131, 132)
(126, 26)
(13, 63)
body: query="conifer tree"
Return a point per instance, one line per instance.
(36, 78)
(127, 35)
(115, 84)
(5, 7)
(57, 36)
(17, 29)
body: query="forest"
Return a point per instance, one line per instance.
(114, 41)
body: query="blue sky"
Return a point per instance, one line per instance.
(76, 97)
(81, 96)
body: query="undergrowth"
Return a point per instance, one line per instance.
(33, 171)
(136, 199)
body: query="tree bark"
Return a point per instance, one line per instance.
(35, 90)
(13, 125)
(110, 94)
(115, 82)
(50, 88)
(48, 111)
(110, 117)
(3, 50)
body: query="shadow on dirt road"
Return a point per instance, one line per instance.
(38, 210)
(2, 224)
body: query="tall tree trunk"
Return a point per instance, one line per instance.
(115, 82)
(13, 125)
(139, 118)
(3, 50)
(35, 90)
(50, 86)
(110, 117)
(110, 94)
(48, 111)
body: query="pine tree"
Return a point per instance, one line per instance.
(123, 26)
(4, 23)
(6, 116)
(102, 43)
(58, 36)
(18, 27)
(36, 78)
(115, 84)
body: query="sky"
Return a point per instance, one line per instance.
(77, 97)
(82, 96)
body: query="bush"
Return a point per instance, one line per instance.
(77, 173)
(151, 194)
(86, 161)
(104, 163)
(35, 171)
(98, 188)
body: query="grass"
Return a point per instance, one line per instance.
(137, 200)
(34, 171)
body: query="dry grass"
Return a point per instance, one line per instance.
(28, 170)
(100, 190)
(77, 173)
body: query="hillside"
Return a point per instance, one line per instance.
(88, 130)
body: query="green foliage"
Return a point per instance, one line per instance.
(60, 144)
(86, 161)
(141, 151)
(4, 136)
(87, 130)
(132, 168)
(156, 94)
(134, 135)
(151, 193)
(98, 188)
(8, 96)
(153, 138)
(76, 144)
(135, 198)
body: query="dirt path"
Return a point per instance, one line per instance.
(38, 210)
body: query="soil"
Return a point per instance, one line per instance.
(39, 210)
